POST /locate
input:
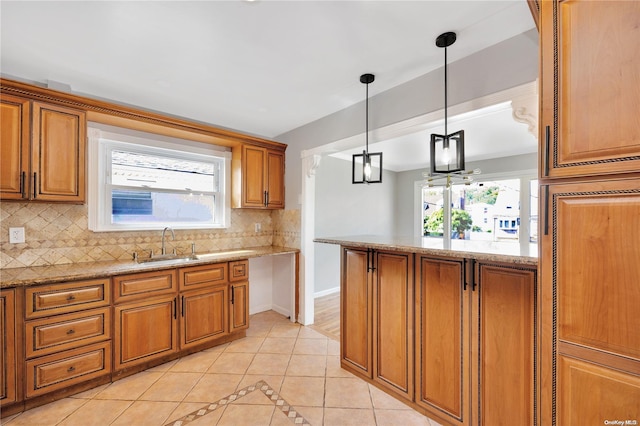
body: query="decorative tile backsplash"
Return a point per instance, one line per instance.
(58, 234)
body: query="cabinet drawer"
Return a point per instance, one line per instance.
(58, 371)
(239, 270)
(143, 285)
(66, 297)
(48, 335)
(200, 276)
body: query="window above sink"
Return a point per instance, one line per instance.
(141, 181)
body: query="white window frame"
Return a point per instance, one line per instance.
(102, 139)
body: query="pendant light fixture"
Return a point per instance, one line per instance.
(367, 167)
(447, 151)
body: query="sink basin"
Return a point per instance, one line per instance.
(167, 258)
(220, 253)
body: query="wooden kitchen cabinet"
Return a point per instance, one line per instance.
(591, 394)
(67, 335)
(442, 338)
(145, 330)
(54, 372)
(8, 348)
(590, 274)
(589, 250)
(14, 147)
(258, 177)
(204, 315)
(504, 343)
(219, 306)
(377, 317)
(145, 317)
(356, 316)
(239, 287)
(590, 87)
(43, 151)
(239, 306)
(476, 341)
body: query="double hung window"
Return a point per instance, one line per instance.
(144, 183)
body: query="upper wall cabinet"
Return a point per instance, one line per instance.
(14, 147)
(43, 151)
(590, 87)
(258, 178)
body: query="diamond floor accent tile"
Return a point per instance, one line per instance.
(262, 386)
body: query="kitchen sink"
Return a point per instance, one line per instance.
(167, 258)
(179, 258)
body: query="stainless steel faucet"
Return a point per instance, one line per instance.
(173, 237)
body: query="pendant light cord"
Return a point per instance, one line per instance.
(446, 133)
(367, 122)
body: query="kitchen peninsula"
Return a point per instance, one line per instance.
(452, 333)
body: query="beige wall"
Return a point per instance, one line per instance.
(58, 234)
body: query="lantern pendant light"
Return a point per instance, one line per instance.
(447, 151)
(366, 167)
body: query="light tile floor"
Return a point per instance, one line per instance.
(280, 374)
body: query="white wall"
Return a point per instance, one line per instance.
(343, 208)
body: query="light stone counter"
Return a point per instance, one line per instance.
(20, 277)
(462, 249)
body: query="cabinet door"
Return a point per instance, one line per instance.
(590, 87)
(393, 322)
(7, 347)
(144, 331)
(14, 148)
(590, 275)
(592, 395)
(58, 153)
(204, 315)
(239, 306)
(253, 176)
(275, 180)
(503, 336)
(442, 336)
(356, 296)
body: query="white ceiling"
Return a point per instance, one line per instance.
(262, 67)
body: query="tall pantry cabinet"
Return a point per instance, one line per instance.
(590, 211)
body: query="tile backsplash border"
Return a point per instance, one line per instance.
(58, 234)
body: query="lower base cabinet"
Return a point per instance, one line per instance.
(239, 306)
(204, 315)
(504, 343)
(8, 384)
(474, 325)
(477, 333)
(52, 372)
(144, 331)
(442, 336)
(377, 317)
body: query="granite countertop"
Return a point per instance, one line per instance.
(462, 249)
(16, 277)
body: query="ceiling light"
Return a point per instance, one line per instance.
(447, 151)
(366, 167)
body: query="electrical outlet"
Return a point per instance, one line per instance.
(258, 227)
(16, 235)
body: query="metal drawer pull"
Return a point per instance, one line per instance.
(71, 331)
(71, 369)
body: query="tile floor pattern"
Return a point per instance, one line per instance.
(280, 374)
